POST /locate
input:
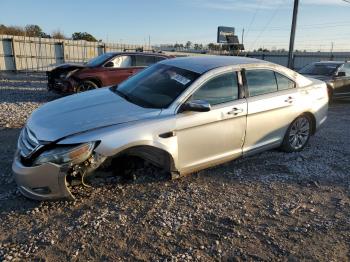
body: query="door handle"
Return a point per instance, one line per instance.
(289, 100)
(235, 111)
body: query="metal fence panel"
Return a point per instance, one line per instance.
(300, 59)
(41, 54)
(6, 55)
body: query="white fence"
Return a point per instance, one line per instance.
(300, 58)
(42, 54)
(18, 53)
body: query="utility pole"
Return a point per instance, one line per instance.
(242, 35)
(292, 35)
(332, 47)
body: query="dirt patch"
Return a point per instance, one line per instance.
(271, 206)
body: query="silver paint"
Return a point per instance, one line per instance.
(230, 130)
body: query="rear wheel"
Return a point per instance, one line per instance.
(87, 85)
(298, 134)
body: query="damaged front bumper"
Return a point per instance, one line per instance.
(62, 86)
(49, 181)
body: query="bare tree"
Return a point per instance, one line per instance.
(58, 34)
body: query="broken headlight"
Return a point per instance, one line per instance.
(66, 154)
(66, 75)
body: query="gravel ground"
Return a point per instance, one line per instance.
(272, 206)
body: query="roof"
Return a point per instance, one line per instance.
(138, 53)
(203, 64)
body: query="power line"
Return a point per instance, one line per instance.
(268, 23)
(254, 16)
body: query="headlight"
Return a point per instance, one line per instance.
(66, 154)
(66, 75)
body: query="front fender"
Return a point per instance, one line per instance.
(117, 138)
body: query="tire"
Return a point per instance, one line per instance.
(297, 135)
(87, 85)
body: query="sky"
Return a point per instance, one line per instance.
(266, 22)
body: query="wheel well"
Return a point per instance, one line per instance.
(154, 155)
(313, 121)
(94, 80)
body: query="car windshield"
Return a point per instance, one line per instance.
(319, 69)
(157, 86)
(99, 59)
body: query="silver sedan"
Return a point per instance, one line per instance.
(182, 114)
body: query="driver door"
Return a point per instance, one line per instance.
(210, 138)
(342, 84)
(121, 70)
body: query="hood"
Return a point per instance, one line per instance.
(65, 68)
(82, 112)
(69, 66)
(319, 77)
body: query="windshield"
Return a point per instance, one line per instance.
(99, 59)
(319, 69)
(157, 86)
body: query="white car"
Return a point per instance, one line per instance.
(182, 114)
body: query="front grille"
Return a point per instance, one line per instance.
(27, 143)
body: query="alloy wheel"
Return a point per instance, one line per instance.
(299, 133)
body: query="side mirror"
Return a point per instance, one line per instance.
(341, 74)
(196, 106)
(109, 64)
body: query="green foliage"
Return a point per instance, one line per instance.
(188, 44)
(83, 36)
(34, 31)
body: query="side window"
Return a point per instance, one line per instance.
(220, 89)
(122, 61)
(283, 82)
(261, 82)
(159, 58)
(143, 60)
(346, 69)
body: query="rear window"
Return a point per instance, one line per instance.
(319, 69)
(261, 82)
(283, 82)
(159, 58)
(141, 60)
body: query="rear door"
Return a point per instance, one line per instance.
(272, 106)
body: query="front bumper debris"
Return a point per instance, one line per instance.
(62, 86)
(49, 181)
(44, 182)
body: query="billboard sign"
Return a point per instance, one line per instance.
(226, 35)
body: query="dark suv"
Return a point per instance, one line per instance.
(335, 73)
(104, 70)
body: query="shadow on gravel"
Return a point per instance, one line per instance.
(10, 199)
(344, 101)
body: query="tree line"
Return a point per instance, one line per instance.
(36, 31)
